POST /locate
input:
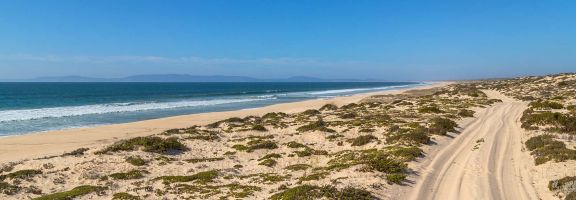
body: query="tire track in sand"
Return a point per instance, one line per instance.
(493, 171)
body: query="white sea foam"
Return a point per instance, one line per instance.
(57, 112)
(358, 90)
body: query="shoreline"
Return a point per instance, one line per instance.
(39, 144)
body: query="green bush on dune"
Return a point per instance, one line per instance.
(544, 148)
(546, 105)
(148, 144)
(306, 192)
(71, 194)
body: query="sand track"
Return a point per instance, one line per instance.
(484, 162)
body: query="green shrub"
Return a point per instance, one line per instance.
(199, 160)
(134, 174)
(441, 126)
(395, 178)
(259, 127)
(125, 196)
(430, 109)
(298, 167)
(560, 122)
(415, 136)
(311, 112)
(306, 192)
(560, 183)
(201, 177)
(329, 107)
(77, 152)
(22, 174)
(268, 162)
(136, 160)
(148, 144)
(348, 115)
(314, 177)
(319, 125)
(546, 105)
(466, 113)
(71, 194)
(261, 144)
(544, 148)
(362, 140)
(8, 189)
(377, 160)
(240, 147)
(294, 144)
(406, 153)
(270, 156)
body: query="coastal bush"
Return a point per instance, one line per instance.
(259, 127)
(270, 156)
(544, 148)
(8, 189)
(311, 112)
(298, 167)
(319, 125)
(21, 174)
(395, 178)
(362, 140)
(466, 113)
(77, 152)
(314, 177)
(569, 181)
(71, 194)
(558, 122)
(329, 107)
(406, 153)
(148, 144)
(546, 105)
(348, 115)
(125, 196)
(261, 144)
(231, 120)
(305, 192)
(375, 160)
(430, 109)
(414, 136)
(441, 126)
(136, 160)
(268, 162)
(199, 160)
(309, 151)
(200, 178)
(294, 144)
(134, 174)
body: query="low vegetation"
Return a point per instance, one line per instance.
(71, 194)
(200, 178)
(323, 192)
(362, 140)
(148, 144)
(544, 148)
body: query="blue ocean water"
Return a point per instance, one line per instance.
(34, 107)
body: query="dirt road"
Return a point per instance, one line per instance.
(484, 162)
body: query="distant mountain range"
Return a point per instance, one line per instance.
(184, 78)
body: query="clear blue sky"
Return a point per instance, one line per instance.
(382, 39)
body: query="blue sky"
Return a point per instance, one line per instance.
(380, 39)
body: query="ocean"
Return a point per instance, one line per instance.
(36, 107)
